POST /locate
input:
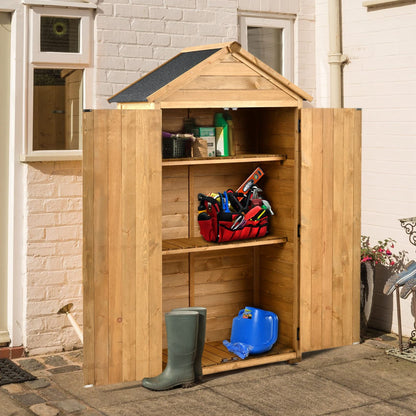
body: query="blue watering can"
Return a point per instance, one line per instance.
(254, 331)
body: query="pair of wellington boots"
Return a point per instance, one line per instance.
(185, 330)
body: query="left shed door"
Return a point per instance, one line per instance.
(122, 257)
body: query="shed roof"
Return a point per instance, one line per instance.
(226, 70)
(161, 76)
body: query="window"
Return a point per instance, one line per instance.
(59, 34)
(57, 109)
(270, 40)
(58, 74)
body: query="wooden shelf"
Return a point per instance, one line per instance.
(198, 244)
(216, 358)
(222, 160)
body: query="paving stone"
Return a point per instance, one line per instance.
(76, 356)
(28, 399)
(70, 405)
(8, 407)
(14, 388)
(66, 369)
(379, 409)
(298, 393)
(382, 377)
(38, 384)
(44, 409)
(187, 402)
(55, 361)
(52, 394)
(31, 364)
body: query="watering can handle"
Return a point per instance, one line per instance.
(274, 321)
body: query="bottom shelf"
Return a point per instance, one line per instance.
(216, 358)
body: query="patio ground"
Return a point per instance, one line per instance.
(354, 380)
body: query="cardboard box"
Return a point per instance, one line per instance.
(208, 134)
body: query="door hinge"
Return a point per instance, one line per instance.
(298, 230)
(298, 334)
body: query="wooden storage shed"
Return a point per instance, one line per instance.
(143, 253)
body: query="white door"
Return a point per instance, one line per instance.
(5, 28)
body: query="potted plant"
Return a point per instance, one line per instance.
(371, 256)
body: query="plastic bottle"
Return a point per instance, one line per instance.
(221, 135)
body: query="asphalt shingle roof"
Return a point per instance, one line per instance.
(161, 76)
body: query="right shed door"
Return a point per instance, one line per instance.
(330, 227)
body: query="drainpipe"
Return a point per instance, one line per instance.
(335, 57)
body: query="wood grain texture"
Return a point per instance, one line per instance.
(330, 220)
(122, 257)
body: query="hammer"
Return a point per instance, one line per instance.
(67, 311)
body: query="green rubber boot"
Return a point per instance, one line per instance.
(182, 333)
(201, 337)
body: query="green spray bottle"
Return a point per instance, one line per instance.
(221, 135)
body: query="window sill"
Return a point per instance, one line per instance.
(88, 4)
(385, 3)
(51, 156)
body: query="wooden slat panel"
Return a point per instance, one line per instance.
(88, 247)
(229, 69)
(100, 274)
(114, 244)
(338, 207)
(149, 235)
(356, 285)
(327, 212)
(229, 83)
(317, 225)
(175, 202)
(329, 228)
(237, 95)
(128, 252)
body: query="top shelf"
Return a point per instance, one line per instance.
(224, 159)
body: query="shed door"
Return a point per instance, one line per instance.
(122, 245)
(330, 228)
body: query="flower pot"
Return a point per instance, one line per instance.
(366, 299)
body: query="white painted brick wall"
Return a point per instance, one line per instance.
(134, 37)
(54, 254)
(380, 79)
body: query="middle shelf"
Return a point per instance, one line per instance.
(198, 244)
(225, 160)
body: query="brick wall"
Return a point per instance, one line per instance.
(380, 79)
(134, 37)
(54, 253)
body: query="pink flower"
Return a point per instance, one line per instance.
(392, 246)
(391, 263)
(388, 252)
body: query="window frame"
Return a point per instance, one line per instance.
(57, 60)
(78, 58)
(287, 26)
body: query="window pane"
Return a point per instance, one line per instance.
(266, 44)
(59, 34)
(57, 109)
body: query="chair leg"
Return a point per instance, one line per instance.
(399, 319)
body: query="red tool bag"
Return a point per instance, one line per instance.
(219, 224)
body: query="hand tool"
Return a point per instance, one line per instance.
(67, 311)
(268, 206)
(254, 177)
(224, 200)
